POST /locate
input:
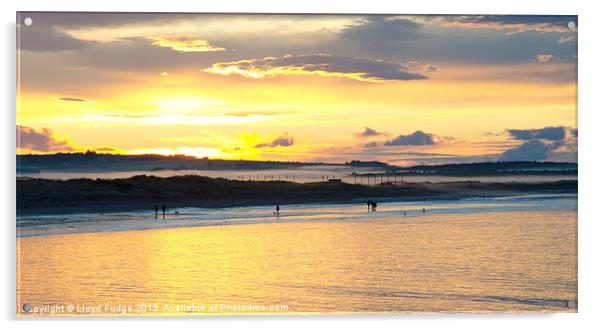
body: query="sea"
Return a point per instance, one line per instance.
(308, 174)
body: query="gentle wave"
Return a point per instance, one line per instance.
(192, 217)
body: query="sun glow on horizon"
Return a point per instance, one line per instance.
(300, 88)
(198, 152)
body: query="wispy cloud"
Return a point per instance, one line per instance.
(565, 39)
(544, 58)
(511, 24)
(184, 44)
(162, 119)
(368, 70)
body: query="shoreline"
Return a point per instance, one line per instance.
(194, 218)
(86, 196)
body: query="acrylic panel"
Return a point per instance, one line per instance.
(195, 164)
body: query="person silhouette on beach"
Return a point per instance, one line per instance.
(156, 211)
(369, 203)
(423, 210)
(163, 208)
(374, 205)
(277, 210)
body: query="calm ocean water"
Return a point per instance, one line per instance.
(302, 175)
(502, 254)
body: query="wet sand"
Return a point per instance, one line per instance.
(514, 255)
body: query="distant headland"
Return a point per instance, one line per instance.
(45, 196)
(100, 162)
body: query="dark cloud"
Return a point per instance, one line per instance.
(46, 32)
(533, 150)
(46, 35)
(384, 33)
(549, 143)
(547, 133)
(416, 138)
(135, 53)
(283, 141)
(324, 65)
(368, 132)
(486, 43)
(39, 37)
(95, 19)
(72, 99)
(43, 140)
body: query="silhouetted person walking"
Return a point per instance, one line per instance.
(277, 210)
(164, 208)
(369, 203)
(156, 211)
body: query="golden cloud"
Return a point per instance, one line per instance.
(367, 70)
(184, 44)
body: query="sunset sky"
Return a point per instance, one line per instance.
(401, 89)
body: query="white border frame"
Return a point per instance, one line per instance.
(589, 158)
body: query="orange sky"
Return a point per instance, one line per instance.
(309, 88)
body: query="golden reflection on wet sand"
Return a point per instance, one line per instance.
(492, 261)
